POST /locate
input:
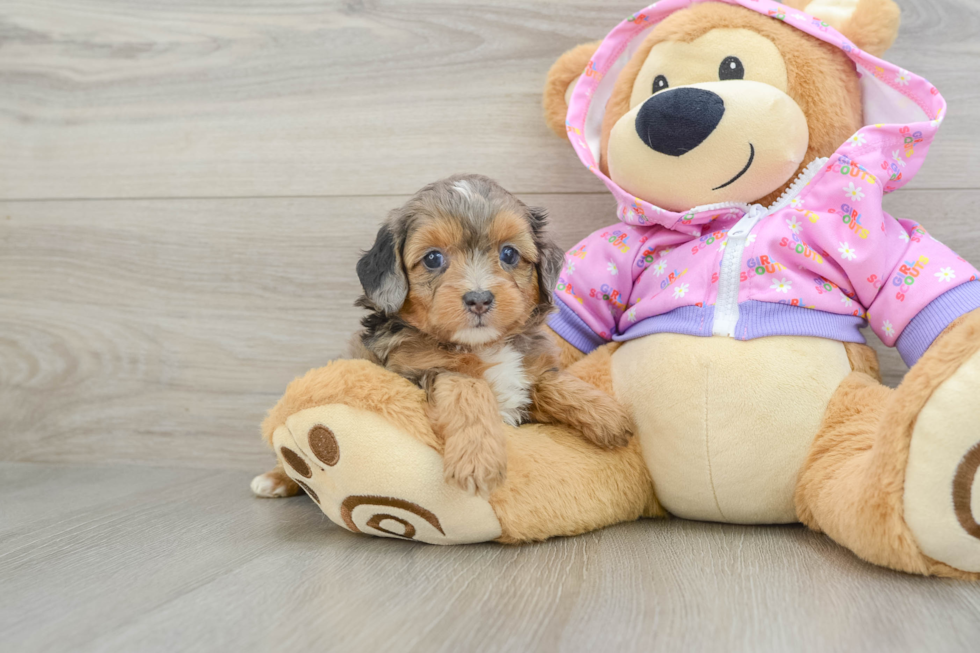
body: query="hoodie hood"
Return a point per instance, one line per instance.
(902, 112)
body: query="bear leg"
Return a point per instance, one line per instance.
(885, 475)
(356, 438)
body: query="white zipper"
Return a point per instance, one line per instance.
(726, 305)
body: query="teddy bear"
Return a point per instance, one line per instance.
(748, 145)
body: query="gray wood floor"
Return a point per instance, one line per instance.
(184, 188)
(173, 559)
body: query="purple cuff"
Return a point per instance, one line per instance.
(936, 316)
(574, 329)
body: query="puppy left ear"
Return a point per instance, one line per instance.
(551, 258)
(871, 25)
(380, 272)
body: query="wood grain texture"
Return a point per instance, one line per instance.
(235, 98)
(158, 332)
(117, 559)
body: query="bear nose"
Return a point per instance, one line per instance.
(478, 301)
(674, 122)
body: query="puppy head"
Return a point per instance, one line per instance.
(464, 261)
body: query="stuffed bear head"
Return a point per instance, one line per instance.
(720, 103)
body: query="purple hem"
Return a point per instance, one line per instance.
(758, 319)
(686, 320)
(574, 329)
(926, 326)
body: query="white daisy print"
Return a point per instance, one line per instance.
(631, 314)
(902, 78)
(680, 290)
(782, 285)
(846, 251)
(845, 300)
(570, 268)
(612, 269)
(796, 203)
(854, 192)
(946, 274)
(748, 239)
(888, 328)
(794, 225)
(904, 236)
(897, 158)
(665, 251)
(660, 267)
(858, 139)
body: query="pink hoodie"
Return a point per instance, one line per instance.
(824, 260)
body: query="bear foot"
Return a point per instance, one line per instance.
(942, 491)
(371, 477)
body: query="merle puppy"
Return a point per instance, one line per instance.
(459, 285)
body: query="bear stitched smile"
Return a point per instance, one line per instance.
(742, 171)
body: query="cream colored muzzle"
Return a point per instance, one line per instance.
(729, 141)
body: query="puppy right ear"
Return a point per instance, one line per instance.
(551, 258)
(561, 82)
(381, 274)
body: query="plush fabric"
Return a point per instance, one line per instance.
(858, 481)
(719, 453)
(370, 476)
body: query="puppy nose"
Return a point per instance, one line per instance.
(478, 301)
(676, 121)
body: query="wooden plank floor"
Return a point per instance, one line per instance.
(184, 189)
(124, 559)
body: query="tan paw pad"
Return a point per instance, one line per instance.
(368, 476)
(942, 491)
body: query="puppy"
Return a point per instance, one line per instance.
(459, 284)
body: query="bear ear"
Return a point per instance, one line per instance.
(871, 25)
(561, 82)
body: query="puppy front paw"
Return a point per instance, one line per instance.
(606, 423)
(475, 462)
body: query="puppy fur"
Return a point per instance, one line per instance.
(479, 368)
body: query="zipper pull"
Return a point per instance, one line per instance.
(743, 226)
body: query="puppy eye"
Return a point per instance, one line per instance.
(659, 83)
(731, 68)
(509, 256)
(434, 260)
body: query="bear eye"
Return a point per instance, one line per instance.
(731, 68)
(509, 255)
(659, 83)
(433, 260)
